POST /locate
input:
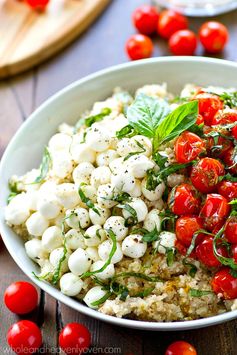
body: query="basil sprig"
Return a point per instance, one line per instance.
(44, 166)
(88, 121)
(230, 99)
(86, 200)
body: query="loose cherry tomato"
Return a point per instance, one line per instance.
(214, 210)
(187, 147)
(38, 4)
(24, 337)
(205, 253)
(213, 36)
(226, 284)
(185, 228)
(229, 161)
(234, 252)
(231, 229)
(227, 189)
(208, 105)
(183, 42)
(139, 46)
(170, 22)
(75, 338)
(145, 19)
(21, 297)
(180, 348)
(200, 119)
(183, 200)
(205, 174)
(224, 117)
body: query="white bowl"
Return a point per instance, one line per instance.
(25, 149)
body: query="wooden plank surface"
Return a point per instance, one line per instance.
(100, 46)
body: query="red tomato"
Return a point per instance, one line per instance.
(205, 253)
(38, 4)
(183, 42)
(186, 227)
(213, 36)
(170, 22)
(231, 229)
(217, 146)
(183, 200)
(234, 132)
(214, 210)
(226, 284)
(139, 46)
(75, 338)
(205, 174)
(180, 348)
(145, 19)
(208, 105)
(234, 252)
(21, 297)
(187, 147)
(200, 119)
(229, 161)
(224, 117)
(24, 337)
(227, 189)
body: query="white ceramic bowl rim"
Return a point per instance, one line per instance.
(155, 326)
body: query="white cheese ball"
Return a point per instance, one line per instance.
(133, 246)
(153, 195)
(145, 142)
(117, 165)
(67, 195)
(17, 211)
(79, 262)
(93, 253)
(100, 176)
(137, 190)
(105, 193)
(52, 238)
(55, 258)
(70, 284)
(94, 235)
(48, 187)
(104, 250)
(77, 218)
(62, 165)
(60, 142)
(36, 224)
(90, 192)
(105, 158)
(175, 179)
(153, 220)
(74, 239)
(93, 295)
(32, 198)
(139, 206)
(126, 146)
(100, 218)
(58, 220)
(139, 164)
(117, 225)
(123, 181)
(167, 240)
(48, 205)
(107, 273)
(98, 138)
(82, 173)
(81, 152)
(35, 250)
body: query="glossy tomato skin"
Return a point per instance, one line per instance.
(208, 105)
(24, 337)
(228, 189)
(205, 253)
(226, 284)
(180, 348)
(213, 36)
(205, 174)
(224, 117)
(214, 210)
(145, 19)
(38, 4)
(234, 252)
(170, 22)
(183, 42)
(75, 338)
(234, 132)
(187, 147)
(139, 46)
(219, 148)
(231, 229)
(185, 228)
(183, 200)
(228, 159)
(200, 119)
(21, 297)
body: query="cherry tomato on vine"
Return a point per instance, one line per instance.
(75, 338)
(231, 229)
(145, 19)
(139, 46)
(205, 174)
(21, 297)
(225, 283)
(205, 253)
(183, 200)
(185, 228)
(170, 22)
(230, 159)
(228, 189)
(24, 337)
(38, 4)
(180, 348)
(183, 42)
(187, 147)
(213, 36)
(208, 105)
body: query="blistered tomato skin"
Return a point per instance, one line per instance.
(208, 105)
(183, 200)
(231, 166)
(224, 117)
(228, 189)
(171, 22)
(185, 228)
(205, 254)
(180, 348)
(187, 147)
(214, 210)
(231, 230)
(218, 145)
(224, 283)
(145, 19)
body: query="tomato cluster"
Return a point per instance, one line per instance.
(173, 27)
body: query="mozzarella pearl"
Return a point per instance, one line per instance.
(100, 176)
(36, 224)
(70, 284)
(152, 221)
(117, 225)
(93, 253)
(94, 235)
(48, 205)
(60, 142)
(139, 206)
(104, 250)
(74, 239)
(145, 142)
(62, 165)
(107, 273)
(126, 146)
(139, 164)
(105, 158)
(153, 195)
(55, 258)
(97, 138)
(175, 179)
(67, 195)
(35, 250)
(137, 190)
(105, 194)
(17, 211)
(79, 217)
(82, 173)
(116, 165)
(93, 295)
(52, 238)
(133, 246)
(167, 240)
(81, 152)
(124, 181)
(100, 218)
(79, 262)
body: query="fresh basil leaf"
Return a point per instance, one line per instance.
(192, 268)
(150, 237)
(229, 99)
(199, 293)
(138, 275)
(141, 231)
(137, 152)
(88, 121)
(228, 177)
(170, 255)
(197, 129)
(233, 273)
(193, 241)
(127, 131)
(130, 221)
(86, 200)
(146, 113)
(146, 292)
(160, 160)
(44, 167)
(56, 274)
(101, 300)
(223, 260)
(124, 294)
(13, 190)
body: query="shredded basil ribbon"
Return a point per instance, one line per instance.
(44, 166)
(86, 200)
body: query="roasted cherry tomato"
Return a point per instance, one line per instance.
(139, 46)
(24, 337)
(224, 283)
(188, 146)
(229, 161)
(205, 253)
(227, 189)
(217, 143)
(214, 210)
(231, 229)
(213, 36)
(75, 338)
(234, 252)
(145, 19)
(200, 119)
(180, 348)
(205, 174)
(234, 132)
(185, 228)
(183, 42)
(183, 200)
(208, 105)
(21, 297)
(224, 117)
(38, 4)
(170, 22)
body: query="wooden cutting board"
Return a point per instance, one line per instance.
(28, 37)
